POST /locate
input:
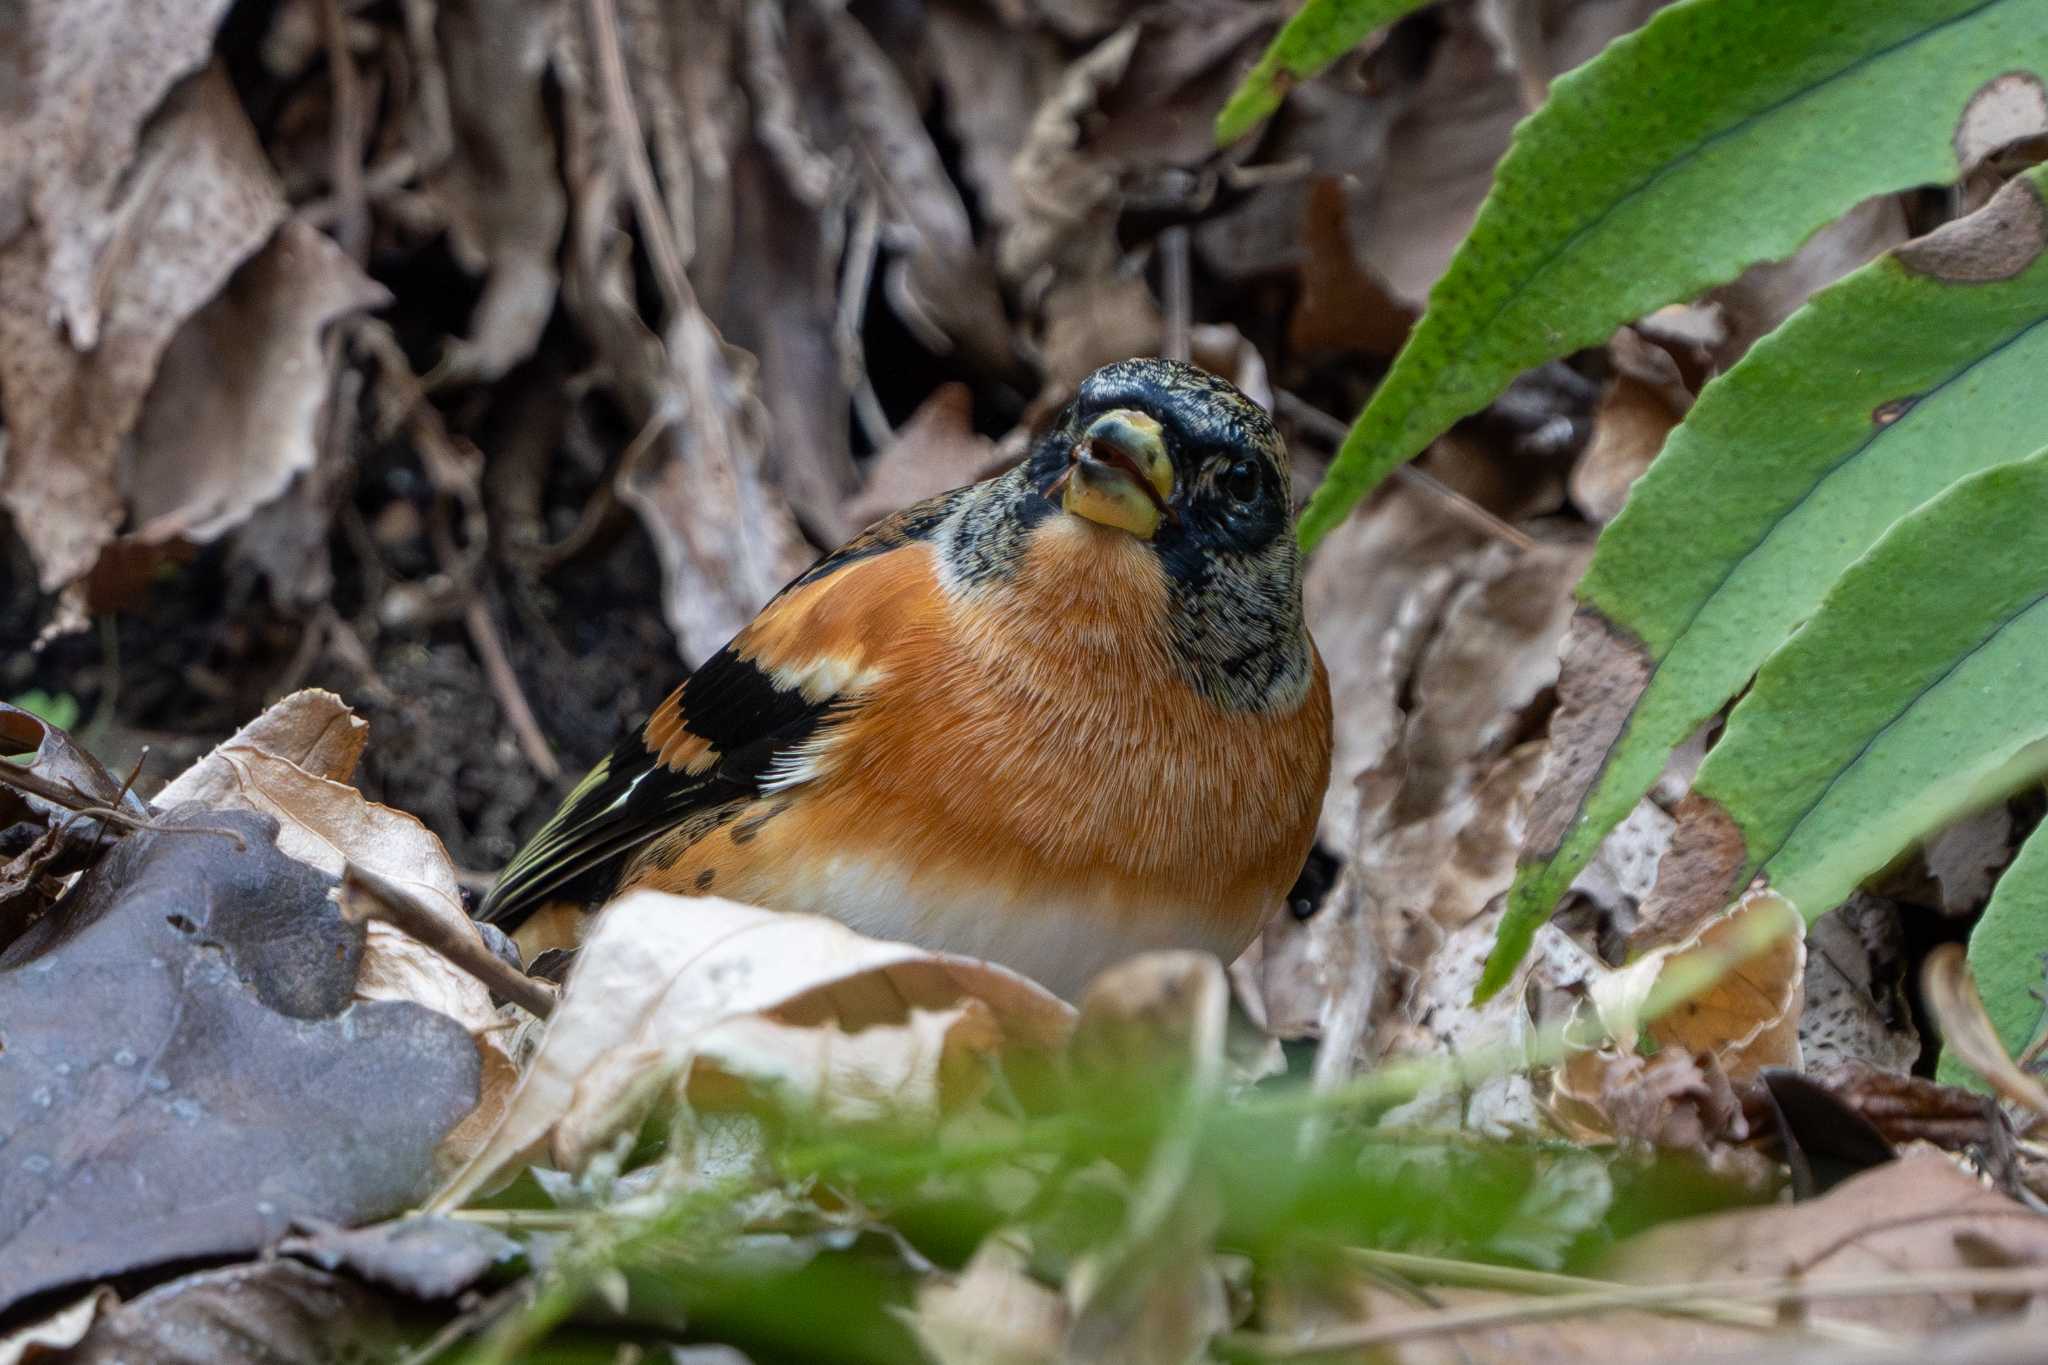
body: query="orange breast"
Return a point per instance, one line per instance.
(1029, 779)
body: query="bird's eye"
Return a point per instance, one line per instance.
(1240, 482)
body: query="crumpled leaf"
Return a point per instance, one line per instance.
(197, 200)
(312, 729)
(184, 1070)
(725, 540)
(825, 1020)
(500, 187)
(422, 1257)
(234, 414)
(53, 754)
(275, 1312)
(1919, 1213)
(935, 450)
(59, 1331)
(991, 1313)
(1858, 1006)
(1971, 1046)
(1751, 959)
(325, 823)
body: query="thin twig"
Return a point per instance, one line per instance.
(632, 145)
(1178, 288)
(352, 216)
(80, 804)
(483, 633)
(368, 894)
(1327, 428)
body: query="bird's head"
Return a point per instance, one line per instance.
(1166, 470)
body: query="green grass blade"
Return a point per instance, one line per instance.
(2006, 949)
(1912, 696)
(1881, 392)
(1720, 134)
(1320, 32)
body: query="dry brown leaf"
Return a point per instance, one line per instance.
(1919, 1213)
(724, 536)
(1752, 958)
(500, 188)
(1342, 307)
(1068, 195)
(197, 200)
(234, 414)
(1090, 322)
(991, 1313)
(58, 1332)
(1966, 1029)
(661, 981)
(1669, 1101)
(311, 728)
(994, 76)
(1634, 416)
(1373, 594)
(328, 824)
(937, 449)
(93, 75)
(1616, 1337)
(1857, 1005)
(940, 276)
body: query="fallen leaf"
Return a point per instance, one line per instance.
(500, 187)
(185, 1069)
(197, 200)
(664, 982)
(275, 1312)
(1906, 1216)
(935, 450)
(327, 824)
(1858, 1007)
(422, 1257)
(312, 729)
(59, 1331)
(1743, 977)
(991, 1313)
(234, 414)
(1966, 1029)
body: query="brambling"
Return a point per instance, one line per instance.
(1050, 720)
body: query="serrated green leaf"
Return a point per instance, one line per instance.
(1912, 696)
(2006, 951)
(1320, 32)
(1720, 134)
(1882, 391)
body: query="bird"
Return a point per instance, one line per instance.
(1049, 720)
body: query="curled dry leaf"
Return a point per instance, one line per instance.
(197, 199)
(500, 188)
(59, 1331)
(1919, 1213)
(1741, 975)
(671, 992)
(1966, 1029)
(937, 449)
(1858, 1008)
(234, 415)
(279, 764)
(991, 1313)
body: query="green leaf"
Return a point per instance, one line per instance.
(1911, 697)
(1720, 134)
(1320, 32)
(2005, 957)
(1879, 393)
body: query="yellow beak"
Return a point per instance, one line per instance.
(1121, 475)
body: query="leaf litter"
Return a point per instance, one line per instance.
(670, 298)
